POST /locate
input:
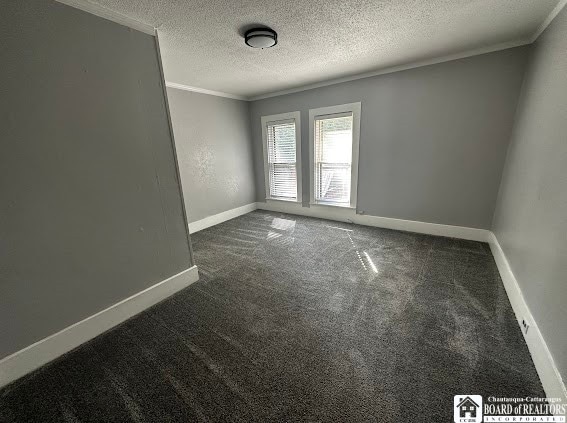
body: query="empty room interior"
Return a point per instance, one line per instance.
(284, 211)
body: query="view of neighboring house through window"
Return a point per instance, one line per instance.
(333, 158)
(282, 156)
(334, 154)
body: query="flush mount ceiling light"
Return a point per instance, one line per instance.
(261, 37)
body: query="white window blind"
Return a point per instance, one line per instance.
(282, 163)
(333, 158)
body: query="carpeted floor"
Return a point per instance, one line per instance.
(299, 319)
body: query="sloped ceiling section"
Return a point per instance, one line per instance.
(202, 45)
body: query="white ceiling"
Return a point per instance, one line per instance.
(318, 40)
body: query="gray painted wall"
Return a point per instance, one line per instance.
(91, 211)
(531, 216)
(433, 139)
(212, 135)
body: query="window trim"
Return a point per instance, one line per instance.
(355, 109)
(271, 119)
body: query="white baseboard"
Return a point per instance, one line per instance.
(547, 370)
(461, 232)
(42, 352)
(215, 219)
(350, 215)
(345, 215)
(324, 212)
(543, 360)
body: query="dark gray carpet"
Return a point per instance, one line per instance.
(299, 319)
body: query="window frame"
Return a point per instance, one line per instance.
(355, 109)
(274, 119)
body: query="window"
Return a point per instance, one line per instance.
(334, 133)
(282, 156)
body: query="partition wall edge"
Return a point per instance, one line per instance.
(160, 222)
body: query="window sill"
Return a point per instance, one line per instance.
(282, 200)
(334, 205)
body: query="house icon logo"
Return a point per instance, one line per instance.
(467, 409)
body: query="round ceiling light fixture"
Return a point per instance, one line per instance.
(261, 37)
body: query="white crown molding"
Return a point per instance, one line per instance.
(42, 352)
(548, 20)
(121, 19)
(383, 71)
(110, 15)
(204, 91)
(428, 62)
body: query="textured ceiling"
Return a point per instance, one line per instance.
(202, 46)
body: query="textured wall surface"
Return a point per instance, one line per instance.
(212, 135)
(433, 139)
(91, 210)
(531, 217)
